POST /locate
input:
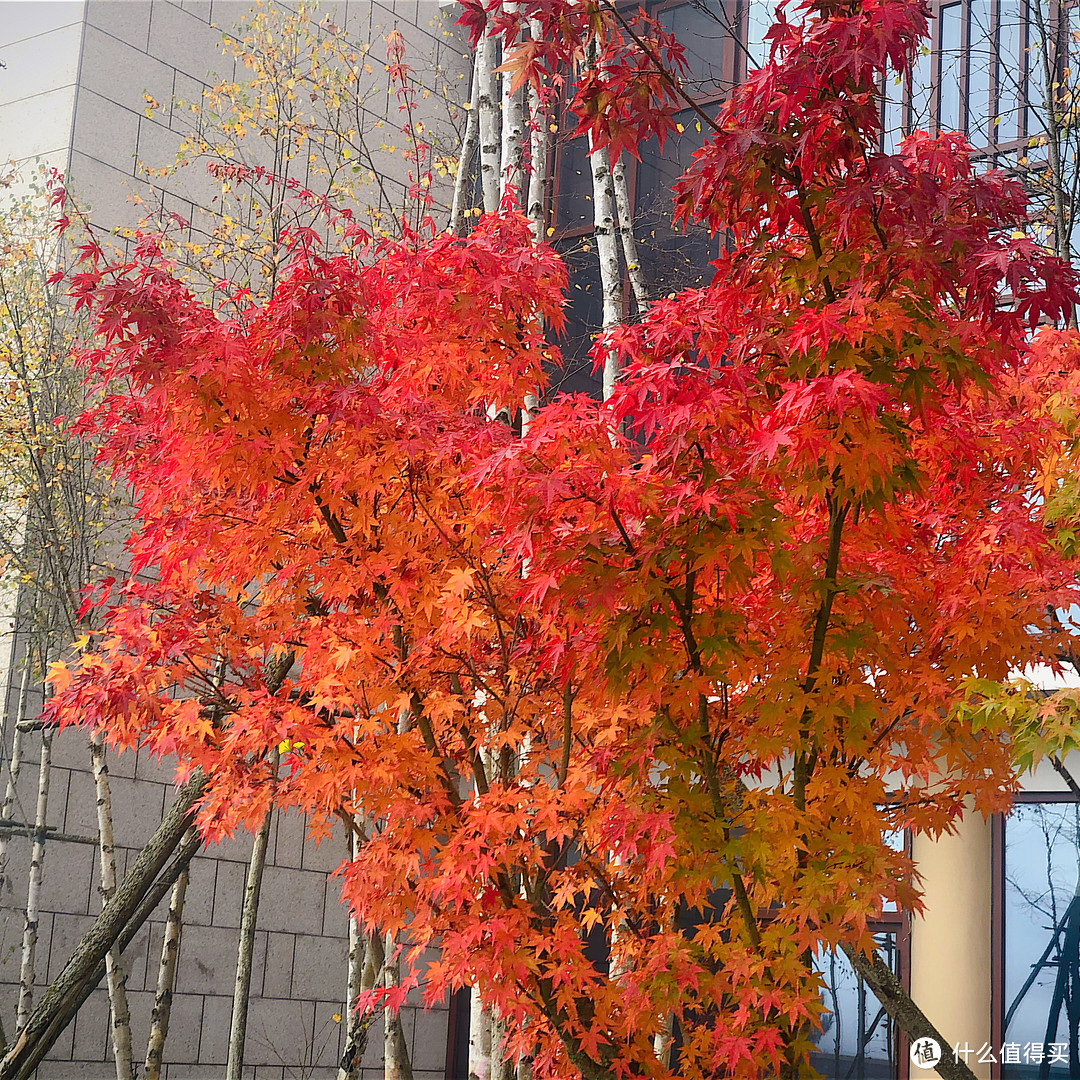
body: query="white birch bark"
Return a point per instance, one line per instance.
(539, 153)
(248, 917)
(15, 766)
(33, 890)
(487, 103)
(120, 1032)
(607, 251)
(626, 237)
(396, 1063)
(512, 173)
(166, 978)
(458, 204)
(479, 1039)
(371, 969)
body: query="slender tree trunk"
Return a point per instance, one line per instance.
(479, 1039)
(33, 890)
(462, 195)
(512, 173)
(487, 99)
(396, 1063)
(539, 152)
(356, 1043)
(355, 1029)
(501, 1067)
(626, 237)
(15, 766)
(248, 916)
(114, 971)
(166, 979)
(607, 251)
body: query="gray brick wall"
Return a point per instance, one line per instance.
(73, 95)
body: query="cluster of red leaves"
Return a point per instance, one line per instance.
(698, 650)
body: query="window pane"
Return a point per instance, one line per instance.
(980, 124)
(1036, 80)
(857, 1040)
(701, 28)
(573, 192)
(950, 34)
(921, 96)
(1042, 935)
(759, 20)
(1012, 43)
(892, 115)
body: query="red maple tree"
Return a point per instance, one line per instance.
(701, 648)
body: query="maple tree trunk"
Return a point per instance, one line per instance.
(512, 173)
(908, 1016)
(248, 917)
(131, 904)
(170, 952)
(626, 236)
(120, 1014)
(486, 94)
(33, 891)
(461, 197)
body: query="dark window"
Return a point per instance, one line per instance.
(701, 27)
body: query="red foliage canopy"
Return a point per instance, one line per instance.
(703, 646)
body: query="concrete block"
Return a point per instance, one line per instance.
(199, 899)
(182, 1045)
(138, 807)
(80, 808)
(104, 56)
(319, 966)
(67, 932)
(188, 91)
(335, 911)
(328, 854)
(108, 195)
(278, 971)
(122, 19)
(70, 879)
(71, 749)
(214, 1033)
(329, 1033)
(229, 893)
(292, 900)
(139, 962)
(92, 1028)
(207, 963)
(199, 8)
(279, 1032)
(106, 131)
(185, 41)
(236, 848)
(429, 1041)
(290, 830)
